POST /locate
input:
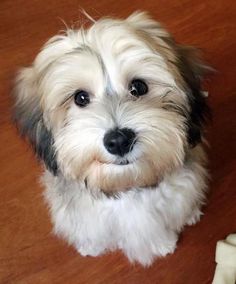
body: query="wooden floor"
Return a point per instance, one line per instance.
(29, 253)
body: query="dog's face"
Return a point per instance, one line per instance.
(115, 106)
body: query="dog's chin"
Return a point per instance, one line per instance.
(120, 176)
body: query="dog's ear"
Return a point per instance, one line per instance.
(28, 116)
(183, 61)
(192, 71)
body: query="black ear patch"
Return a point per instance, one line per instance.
(29, 120)
(192, 71)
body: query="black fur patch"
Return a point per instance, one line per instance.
(28, 117)
(192, 72)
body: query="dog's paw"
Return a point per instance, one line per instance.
(146, 259)
(194, 217)
(146, 252)
(90, 250)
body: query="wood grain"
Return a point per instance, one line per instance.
(29, 253)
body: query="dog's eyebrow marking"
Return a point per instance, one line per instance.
(109, 90)
(66, 99)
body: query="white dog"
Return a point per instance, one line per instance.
(116, 113)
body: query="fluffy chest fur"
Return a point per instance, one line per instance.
(143, 223)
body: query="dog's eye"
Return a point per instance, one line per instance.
(81, 98)
(138, 88)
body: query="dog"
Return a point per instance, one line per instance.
(116, 113)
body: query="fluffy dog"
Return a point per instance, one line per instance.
(116, 113)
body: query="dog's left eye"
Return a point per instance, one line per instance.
(81, 98)
(138, 88)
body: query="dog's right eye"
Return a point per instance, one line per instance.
(81, 98)
(138, 88)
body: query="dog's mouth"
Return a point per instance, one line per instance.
(122, 163)
(117, 162)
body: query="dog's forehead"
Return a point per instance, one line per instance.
(103, 59)
(125, 53)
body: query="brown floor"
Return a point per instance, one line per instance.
(29, 253)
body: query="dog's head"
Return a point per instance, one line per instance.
(115, 106)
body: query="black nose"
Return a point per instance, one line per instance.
(119, 141)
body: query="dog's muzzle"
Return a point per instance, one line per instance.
(119, 141)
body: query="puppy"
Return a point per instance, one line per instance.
(116, 114)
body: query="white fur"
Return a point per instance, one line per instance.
(162, 188)
(142, 223)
